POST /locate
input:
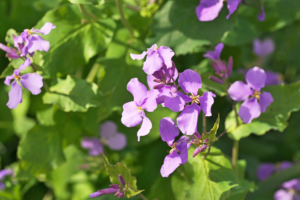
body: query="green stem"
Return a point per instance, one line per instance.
(93, 72)
(87, 13)
(203, 123)
(123, 19)
(142, 196)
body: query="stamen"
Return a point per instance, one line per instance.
(29, 31)
(17, 78)
(140, 109)
(256, 94)
(173, 147)
(155, 49)
(195, 99)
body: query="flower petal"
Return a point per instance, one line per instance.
(5, 172)
(130, 115)
(265, 100)
(177, 103)
(166, 54)
(15, 95)
(107, 129)
(206, 102)
(36, 42)
(190, 81)
(138, 90)
(93, 145)
(168, 131)
(138, 56)
(261, 16)
(208, 10)
(145, 128)
(32, 82)
(46, 29)
(232, 6)
(265, 170)
(25, 64)
(215, 55)
(290, 184)
(116, 141)
(256, 78)
(239, 91)
(171, 162)
(283, 195)
(264, 47)
(249, 110)
(188, 119)
(150, 103)
(153, 63)
(8, 79)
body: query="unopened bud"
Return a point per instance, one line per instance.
(196, 152)
(159, 86)
(121, 195)
(95, 194)
(114, 186)
(117, 193)
(206, 140)
(121, 179)
(168, 81)
(174, 89)
(197, 135)
(215, 79)
(157, 80)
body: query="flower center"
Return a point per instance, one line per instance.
(29, 31)
(102, 141)
(195, 99)
(173, 148)
(292, 191)
(140, 109)
(155, 49)
(256, 94)
(17, 78)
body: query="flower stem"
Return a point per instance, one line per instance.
(87, 13)
(142, 196)
(203, 123)
(123, 19)
(93, 72)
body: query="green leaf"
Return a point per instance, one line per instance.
(185, 34)
(73, 94)
(113, 172)
(94, 2)
(41, 150)
(212, 134)
(286, 100)
(74, 42)
(210, 179)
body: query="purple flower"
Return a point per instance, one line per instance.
(262, 48)
(11, 52)
(190, 82)
(289, 191)
(157, 57)
(168, 132)
(134, 112)
(261, 16)
(109, 136)
(208, 10)
(239, 91)
(33, 82)
(3, 174)
(118, 190)
(265, 170)
(273, 78)
(34, 42)
(215, 55)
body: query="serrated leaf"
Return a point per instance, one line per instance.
(113, 172)
(74, 42)
(210, 179)
(73, 94)
(212, 134)
(286, 100)
(185, 34)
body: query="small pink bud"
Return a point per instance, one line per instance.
(157, 80)
(197, 135)
(114, 186)
(159, 86)
(121, 179)
(206, 140)
(121, 195)
(117, 193)
(215, 79)
(196, 152)
(174, 89)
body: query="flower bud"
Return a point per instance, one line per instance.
(95, 194)
(157, 80)
(121, 195)
(115, 186)
(117, 193)
(206, 140)
(168, 81)
(196, 152)
(159, 86)
(197, 135)
(108, 191)
(203, 148)
(121, 179)
(215, 79)
(174, 89)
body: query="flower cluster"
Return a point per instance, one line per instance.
(184, 97)
(26, 44)
(209, 10)
(109, 137)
